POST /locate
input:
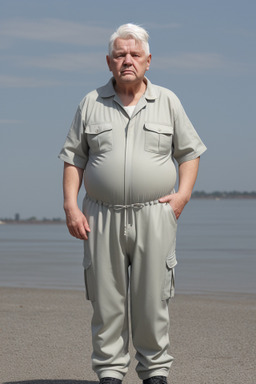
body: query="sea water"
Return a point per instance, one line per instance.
(216, 251)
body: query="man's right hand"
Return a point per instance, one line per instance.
(77, 223)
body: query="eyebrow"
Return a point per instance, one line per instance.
(124, 51)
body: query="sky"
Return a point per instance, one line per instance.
(52, 52)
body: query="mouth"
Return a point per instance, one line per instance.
(127, 72)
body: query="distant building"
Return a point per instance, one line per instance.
(17, 217)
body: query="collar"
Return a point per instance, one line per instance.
(108, 90)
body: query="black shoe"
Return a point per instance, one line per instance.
(156, 380)
(110, 380)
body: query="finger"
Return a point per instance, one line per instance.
(165, 199)
(83, 234)
(83, 230)
(86, 227)
(78, 233)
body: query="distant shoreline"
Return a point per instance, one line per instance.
(223, 195)
(199, 195)
(52, 222)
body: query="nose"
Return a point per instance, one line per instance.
(128, 59)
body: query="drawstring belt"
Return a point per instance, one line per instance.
(119, 207)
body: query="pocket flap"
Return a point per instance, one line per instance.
(94, 129)
(159, 128)
(171, 260)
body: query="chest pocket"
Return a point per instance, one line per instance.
(158, 138)
(99, 137)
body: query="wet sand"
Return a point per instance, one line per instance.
(45, 338)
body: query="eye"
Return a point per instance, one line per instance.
(120, 55)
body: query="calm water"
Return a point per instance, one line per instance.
(216, 251)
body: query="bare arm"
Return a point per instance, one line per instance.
(187, 178)
(75, 219)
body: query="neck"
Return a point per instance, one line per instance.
(130, 93)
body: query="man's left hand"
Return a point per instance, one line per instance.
(176, 201)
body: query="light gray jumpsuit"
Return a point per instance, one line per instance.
(128, 165)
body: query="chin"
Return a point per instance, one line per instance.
(128, 78)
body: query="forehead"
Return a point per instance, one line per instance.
(127, 44)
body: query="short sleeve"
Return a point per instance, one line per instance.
(187, 144)
(75, 149)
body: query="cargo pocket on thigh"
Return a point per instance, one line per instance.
(169, 283)
(89, 285)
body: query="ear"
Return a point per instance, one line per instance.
(148, 62)
(109, 62)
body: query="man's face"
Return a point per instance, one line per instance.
(128, 62)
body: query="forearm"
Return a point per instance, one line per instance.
(72, 180)
(76, 221)
(187, 177)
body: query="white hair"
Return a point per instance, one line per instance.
(127, 31)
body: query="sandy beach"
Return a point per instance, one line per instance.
(45, 338)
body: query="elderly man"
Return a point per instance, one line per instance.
(123, 142)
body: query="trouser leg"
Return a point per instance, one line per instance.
(106, 275)
(151, 282)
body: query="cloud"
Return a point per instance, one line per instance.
(90, 62)
(25, 82)
(55, 31)
(9, 121)
(162, 26)
(191, 61)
